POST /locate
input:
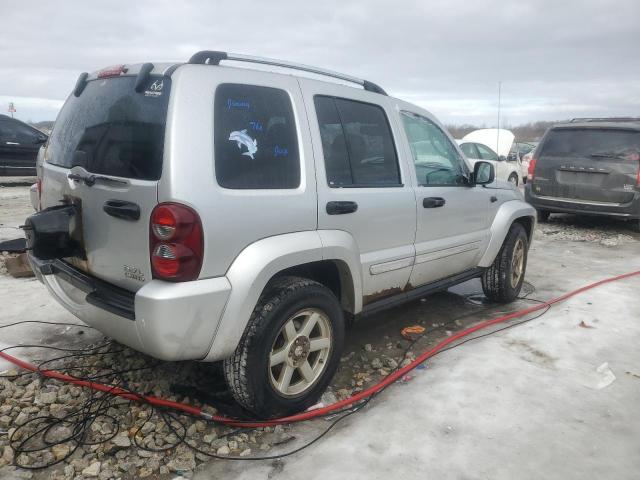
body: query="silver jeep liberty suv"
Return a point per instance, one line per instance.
(196, 211)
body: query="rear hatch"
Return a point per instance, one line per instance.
(591, 164)
(105, 155)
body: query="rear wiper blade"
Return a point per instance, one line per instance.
(90, 180)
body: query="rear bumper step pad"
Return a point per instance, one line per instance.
(101, 294)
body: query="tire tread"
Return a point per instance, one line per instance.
(495, 280)
(235, 368)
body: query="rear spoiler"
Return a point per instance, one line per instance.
(141, 78)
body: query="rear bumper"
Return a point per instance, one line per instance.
(630, 210)
(169, 321)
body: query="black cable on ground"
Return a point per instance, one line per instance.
(99, 404)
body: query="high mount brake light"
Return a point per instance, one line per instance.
(532, 168)
(176, 243)
(112, 71)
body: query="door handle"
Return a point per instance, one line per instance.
(122, 209)
(433, 202)
(340, 208)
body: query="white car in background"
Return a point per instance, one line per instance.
(526, 158)
(493, 145)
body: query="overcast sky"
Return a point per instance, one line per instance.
(556, 59)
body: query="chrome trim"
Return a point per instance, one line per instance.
(581, 202)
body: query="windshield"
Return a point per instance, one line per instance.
(111, 129)
(590, 142)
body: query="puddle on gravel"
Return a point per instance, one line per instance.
(376, 340)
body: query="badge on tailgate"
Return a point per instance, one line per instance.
(133, 273)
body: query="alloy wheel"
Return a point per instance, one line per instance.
(300, 352)
(517, 263)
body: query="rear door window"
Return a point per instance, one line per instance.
(357, 143)
(486, 153)
(111, 129)
(255, 138)
(590, 143)
(17, 133)
(469, 149)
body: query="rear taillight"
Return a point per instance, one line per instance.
(532, 168)
(635, 157)
(176, 243)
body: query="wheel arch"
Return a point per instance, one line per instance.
(329, 257)
(508, 213)
(332, 273)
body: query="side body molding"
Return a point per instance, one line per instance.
(507, 214)
(259, 262)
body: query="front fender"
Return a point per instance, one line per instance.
(507, 214)
(260, 262)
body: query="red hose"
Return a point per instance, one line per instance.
(159, 402)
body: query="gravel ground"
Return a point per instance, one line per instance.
(130, 440)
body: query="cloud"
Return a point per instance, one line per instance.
(555, 59)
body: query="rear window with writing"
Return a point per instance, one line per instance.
(255, 139)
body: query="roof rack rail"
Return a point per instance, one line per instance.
(606, 119)
(212, 57)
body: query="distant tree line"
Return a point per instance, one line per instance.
(528, 132)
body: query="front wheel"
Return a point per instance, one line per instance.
(290, 349)
(513, 178)
(503, 280)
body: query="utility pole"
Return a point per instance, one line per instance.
(499, 101)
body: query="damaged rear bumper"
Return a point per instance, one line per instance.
(169, 321)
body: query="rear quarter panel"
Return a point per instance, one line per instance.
(232, 219)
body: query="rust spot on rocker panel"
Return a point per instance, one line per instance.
(389, 292)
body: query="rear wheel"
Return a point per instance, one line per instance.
(503, 280)
(543, 215)
(513, 178)
(635, 225)
(290, 349)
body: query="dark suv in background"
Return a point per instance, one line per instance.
(19, 145)
(588, 166)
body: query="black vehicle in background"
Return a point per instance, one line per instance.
(19, 145)
(588, 166)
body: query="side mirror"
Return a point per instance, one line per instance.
(483, 173)
(40, 139)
